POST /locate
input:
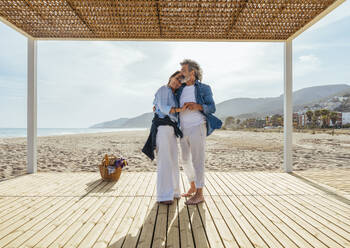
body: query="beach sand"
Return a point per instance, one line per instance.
(318, 154)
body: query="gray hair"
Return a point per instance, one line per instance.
(193, 66)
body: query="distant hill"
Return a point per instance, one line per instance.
(338, 102)
(344, 106)
(141, 121)
(111, 124)
(272, 105)
(250, 107)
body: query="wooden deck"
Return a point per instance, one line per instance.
(245, 209)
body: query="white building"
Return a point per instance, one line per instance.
(345, 118)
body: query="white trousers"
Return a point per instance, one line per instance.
(193, 153)
(168, 181)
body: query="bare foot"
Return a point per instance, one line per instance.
(194, 200)
(189, 193)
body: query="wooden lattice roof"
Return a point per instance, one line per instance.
(164, 19)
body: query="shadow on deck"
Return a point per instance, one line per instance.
(242, 209)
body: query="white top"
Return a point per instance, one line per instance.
(190, 118)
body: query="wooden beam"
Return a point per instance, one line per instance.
(246, 31)
(235, 18)
(158, 16)
(80, 16)
(163, 39)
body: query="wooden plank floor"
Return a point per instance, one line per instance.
(242, 209)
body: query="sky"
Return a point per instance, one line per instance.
(81, 83)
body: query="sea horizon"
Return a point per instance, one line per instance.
(22, 132)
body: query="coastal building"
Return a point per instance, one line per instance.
(302, 120)
(338, 122)
(268, 121)
(345, 118)
(340, 119)
(251, 123)
(260, 123)
(296, 122)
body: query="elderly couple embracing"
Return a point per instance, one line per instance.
(182, 109)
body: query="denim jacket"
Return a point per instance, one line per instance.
(204, 97)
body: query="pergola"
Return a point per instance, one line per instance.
(162, 20)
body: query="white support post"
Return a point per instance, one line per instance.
(288, 107)
(32, 107)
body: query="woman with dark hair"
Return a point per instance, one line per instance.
(163, 134)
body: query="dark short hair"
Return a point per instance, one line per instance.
(173, 75)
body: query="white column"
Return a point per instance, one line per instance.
(288, 107)
(32, 107)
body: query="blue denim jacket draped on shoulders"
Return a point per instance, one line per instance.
(204, 97)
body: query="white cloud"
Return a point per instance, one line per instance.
(307, 64)
(309, 60)
(82, 83)
(233, 68)
(341, 12)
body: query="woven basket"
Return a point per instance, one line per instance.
(109, 160)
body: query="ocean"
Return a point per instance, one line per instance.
(22, 132)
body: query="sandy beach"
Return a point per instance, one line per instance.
(226, 151)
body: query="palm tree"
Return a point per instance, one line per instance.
(228, 122)
(280, 120)
(334, 117)
(309, 115)
(314, 121)
(317, 114)
(276, 120)
(324, 111)
(325, 117)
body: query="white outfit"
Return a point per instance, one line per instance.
(193, 150)
(168, 181)
(193, 127)
(190, 118)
